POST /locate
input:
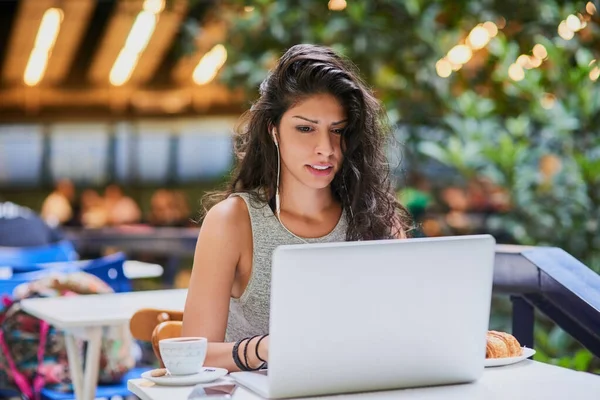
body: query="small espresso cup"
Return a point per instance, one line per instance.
(183, 355)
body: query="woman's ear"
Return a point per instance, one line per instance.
(273, 132)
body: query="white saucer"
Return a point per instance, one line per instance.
(498, 362)
(208, 374)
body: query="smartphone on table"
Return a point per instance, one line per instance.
(213, 392)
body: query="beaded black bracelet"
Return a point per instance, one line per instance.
(256, 348)
(246, 355)
(236, 356)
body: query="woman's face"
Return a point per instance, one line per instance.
(309, 138)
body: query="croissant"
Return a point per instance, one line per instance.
(502, 344)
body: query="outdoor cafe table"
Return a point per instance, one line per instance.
(85, 316)
(527, 380)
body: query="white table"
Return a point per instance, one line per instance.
(140, 270)
(131, 268)
(85, 316)
(526, 380)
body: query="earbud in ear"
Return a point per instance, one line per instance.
(274, 134)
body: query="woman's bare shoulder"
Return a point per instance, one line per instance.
(224, 235)
(227, 220)
(229, 211)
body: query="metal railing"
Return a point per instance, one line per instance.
(554, 282)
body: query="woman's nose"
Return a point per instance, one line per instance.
(324, 144)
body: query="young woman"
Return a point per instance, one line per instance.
(311, 169)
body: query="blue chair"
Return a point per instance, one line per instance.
(108, 268)
(118, 390)
(19, 256)
(103, 391)
(8, 285)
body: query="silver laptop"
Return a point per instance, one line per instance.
(376, 315)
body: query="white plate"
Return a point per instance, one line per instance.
(497, 362)
(208, 374)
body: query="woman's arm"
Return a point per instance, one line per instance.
(223, 234)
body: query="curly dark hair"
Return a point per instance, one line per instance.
(362, 185)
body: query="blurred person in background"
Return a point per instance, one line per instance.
(57, 208)
(93, 210)
(22, 227)
(121, 209)
(183, 208)
(168, 208)
(162, 209)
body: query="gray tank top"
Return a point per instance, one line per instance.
(249, 315)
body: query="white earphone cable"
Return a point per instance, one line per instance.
(277, 199)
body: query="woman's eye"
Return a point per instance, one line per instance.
(338, 131)
(304, 129)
